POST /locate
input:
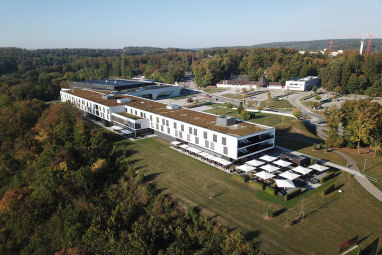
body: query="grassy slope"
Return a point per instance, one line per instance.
(329, 221)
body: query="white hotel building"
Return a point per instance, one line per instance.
(302, 84)
(221, 136)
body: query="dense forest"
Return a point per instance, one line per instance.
(67, 187)
(28, 74)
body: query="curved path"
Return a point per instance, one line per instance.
(316, 120)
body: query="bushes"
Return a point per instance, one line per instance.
(271, 191)
(239, 178)
(256, 185)
(313, 161)
(293, 194)
(317, 97)
(327, 177)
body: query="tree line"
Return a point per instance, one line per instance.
(67, 187)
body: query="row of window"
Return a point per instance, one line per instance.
(93, 108)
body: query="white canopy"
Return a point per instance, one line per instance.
(318, 167)
(269, 168)
(264, 175)
(289, 175)
(184, 146)
(246, 168)
(204, 154)
(284, 183)
(194, 150)
(301, 170)
(255, 162)
(175, 143)
(282, 163)
(223, 161)
(268, 158)
(116, 128)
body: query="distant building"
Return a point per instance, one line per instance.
(242, 83)
(302, 84)
(136, 87)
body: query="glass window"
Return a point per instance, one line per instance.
(224, 141)
(225, 150)
(212, 146)
(157, 126)
(195, 131)
(180, 135)
(163, 122)
(175, 125)
(167, 123)
(197, 140)
(157, 119)
(182, 127)
(206, 143)
(205, 135)
(215, 138)
(176, 133)
(188, 137)
(190, 130)
(161, 128)
(151, 118)
(168, 130)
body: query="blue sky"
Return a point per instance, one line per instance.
(184, 24)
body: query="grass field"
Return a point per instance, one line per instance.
(233, 96)
(278, 104)
(328, 221)
(213, 90)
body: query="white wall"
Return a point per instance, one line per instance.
(248, 87)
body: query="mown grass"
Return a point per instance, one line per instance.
(328, 220)
(213, 90)
(233, 96)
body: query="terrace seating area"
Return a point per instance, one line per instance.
(283, 175)
(202, 155)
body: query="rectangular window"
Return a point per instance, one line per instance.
(190, 130)
(224, 141)
(205, 135)
(175, 125)
(151, 118)
(161, 128)
(151, 124)
(168, 130)
(195, 131)
(163, 122)
(136, 113)
(182, 127)
(167, 123)
(197, 140)
(157, 119)
(188, 137)
(180, 135)
(212, 146)
(206, 143)
(225, 150)
(157, 126)
(176, 133)
(215, 138)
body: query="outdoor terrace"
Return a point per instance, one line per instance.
(189, 116)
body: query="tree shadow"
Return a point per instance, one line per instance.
(151, 177)
(372, 248)
(373, 166)
(249, 236)
(363, 239)
(279, 212)
(294, 141)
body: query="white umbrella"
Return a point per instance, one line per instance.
(246, 168)
(268, 158)
(301, 170)
(175, 143)
(282, 163)
(269, 168)
(319, 167)
(224, 162)
(284, 183)
(184, 146)
(289, 175)
(264, 175)
(255, 162)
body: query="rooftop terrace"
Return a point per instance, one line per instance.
(189, 116)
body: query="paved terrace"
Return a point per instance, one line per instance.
(200, 119)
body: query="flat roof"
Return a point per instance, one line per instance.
(200, 119)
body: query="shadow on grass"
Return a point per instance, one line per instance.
(294, 141)
(371, 248)
(279, 212)
(363, 239)
(151, 177)
(249, 236)
(373, 166)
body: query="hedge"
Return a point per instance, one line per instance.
(327, 177)
(256, 185)
(238, 178)
(270, 190)
(293, 194)
(330, 189)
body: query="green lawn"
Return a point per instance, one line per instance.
(328, 221)
(213, 90)
(234, 96)
(278, 104)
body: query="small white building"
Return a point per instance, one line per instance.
(302, 84)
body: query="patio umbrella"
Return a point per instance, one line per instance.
(255, 162)
(175, 143)
(289, 175)
(319, 168)
(264, 175)
(246, 168)
(268, 158)
(284, 183)
(269, 168)
(301, 170)
(282, 163)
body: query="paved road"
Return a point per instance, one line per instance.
(315, 120)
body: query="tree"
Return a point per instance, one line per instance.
(334, 139)
(297, 113)
(240, 108)
(314, 89)
(269, 95)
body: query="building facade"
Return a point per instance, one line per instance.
(228, 139)
(302, 84)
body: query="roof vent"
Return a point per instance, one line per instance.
(173, 106)
(123, 100)
(108, 96)
(225, 121)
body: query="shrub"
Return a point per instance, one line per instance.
(269, 212)
(329, 190)
(189, 100)
(327, 177)
(229, 105)
(239, 178)
(297, 113)
(240, 108)
(271, 191)
(317, 97)
(314, 89)
(313, 161)
(256, 185)
(293, 194)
